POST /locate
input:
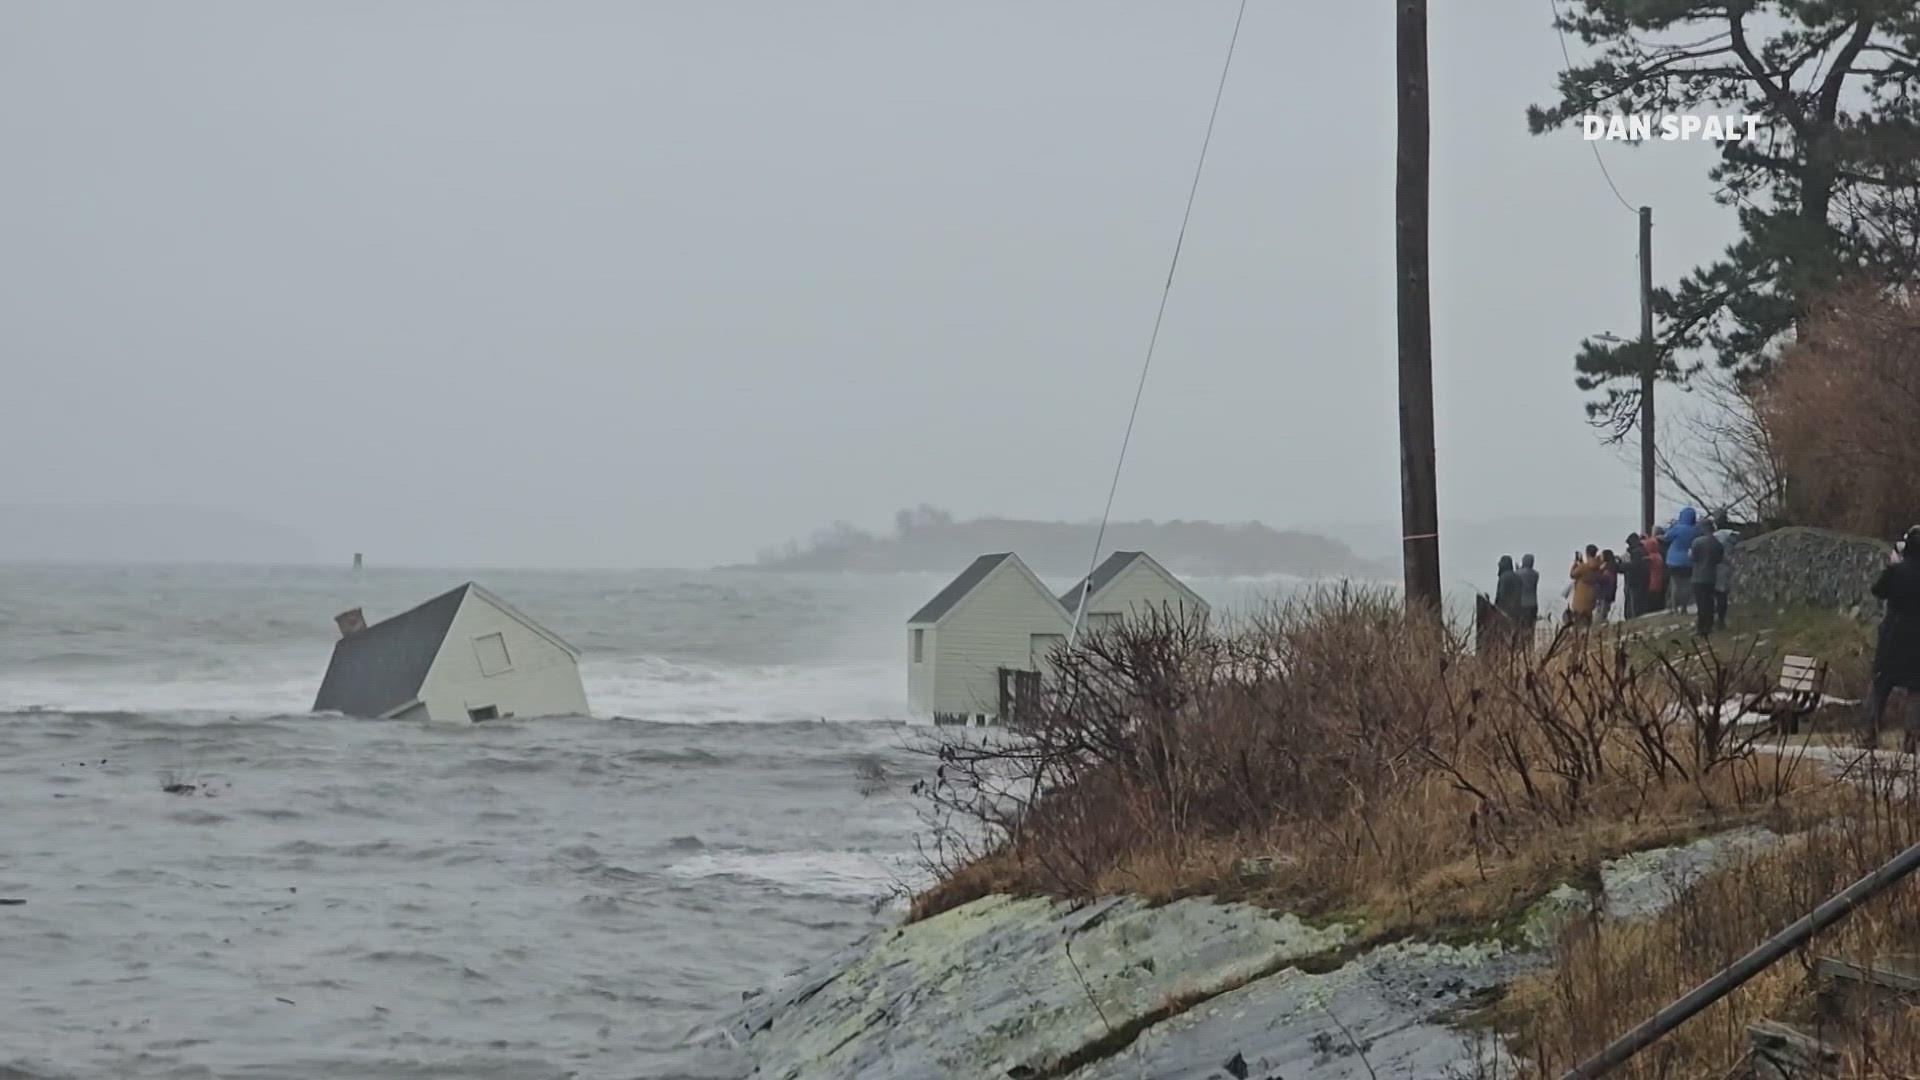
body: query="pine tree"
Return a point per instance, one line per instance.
(1830, 188)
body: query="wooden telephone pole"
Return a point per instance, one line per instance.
(1419, 502)
(1649, 367)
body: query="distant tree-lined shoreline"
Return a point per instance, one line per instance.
(928, 538)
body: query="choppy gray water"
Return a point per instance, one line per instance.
(341, 898)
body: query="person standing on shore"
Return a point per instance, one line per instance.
(1507, 591)
(1704, 555)
(1656, 572)
(1586, 586)
(1635, 576)
(1609, 586)
(1896, 659)
(1723, 577)
(1680, 539)
(1529, 599)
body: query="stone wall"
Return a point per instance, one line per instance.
(1809, 567)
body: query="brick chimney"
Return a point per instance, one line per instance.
(350, 622)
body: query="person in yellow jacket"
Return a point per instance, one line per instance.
(1586, 574)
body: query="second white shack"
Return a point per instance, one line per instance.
(1132, 585)
(995, 615)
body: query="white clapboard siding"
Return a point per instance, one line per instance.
(540, 676)
(922, 659)
(998, 624)
(1143, 588)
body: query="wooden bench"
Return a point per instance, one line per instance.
(1799, 692)
(1779, 1052)
(1897, 973)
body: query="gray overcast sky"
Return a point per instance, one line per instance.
(632, 283)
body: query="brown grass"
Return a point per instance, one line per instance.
(1388, 772)
(1396, 779)
(1608, 977)
(1844, 643)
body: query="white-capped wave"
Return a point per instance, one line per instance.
(673, 692)
(265, 689)
(645, 688)
(838, 873)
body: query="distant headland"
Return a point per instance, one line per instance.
(927, 538)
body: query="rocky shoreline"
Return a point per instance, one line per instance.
(1038, 989)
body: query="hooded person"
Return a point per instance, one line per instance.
(1896, 658)
(1656, 572)
(1507, 589)
(1633, 576)
(1680, 536)
(1529, 597)
(1506, 602)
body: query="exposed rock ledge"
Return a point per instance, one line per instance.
(1005, 989)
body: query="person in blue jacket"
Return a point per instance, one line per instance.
(1680, 557)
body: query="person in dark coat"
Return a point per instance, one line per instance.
(1529, 598)
(1508, 592)
(1896, 660)
(1507, 589)
(1609, 586)
(1705, 554)
(1634, 577)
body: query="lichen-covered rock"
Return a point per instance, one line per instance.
(1543, 923)
(1378, 1016)
(1644, 884)
(1809, 567)
(1006, 988)
(1013, 987)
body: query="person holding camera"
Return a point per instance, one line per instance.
(1896, 659)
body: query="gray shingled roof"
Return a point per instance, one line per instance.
(382, 667)
(974, 574)
(1101, 575)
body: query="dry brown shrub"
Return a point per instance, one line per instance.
(1608, 977)
(1385, 769)
(1392, 776)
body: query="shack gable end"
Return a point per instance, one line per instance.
(496, 663)
(994, 626)
(1144, 588)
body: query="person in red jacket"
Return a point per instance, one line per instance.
(1656, 572)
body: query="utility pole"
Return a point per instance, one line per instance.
(1419, 503)
(1649, 367)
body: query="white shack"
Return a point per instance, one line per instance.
(463, 656)
(996, 615)
(1130, 584)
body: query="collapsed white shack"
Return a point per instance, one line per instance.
(463, 656)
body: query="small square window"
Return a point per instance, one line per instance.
(484, 712)
(492, 652)
(1041, 647)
